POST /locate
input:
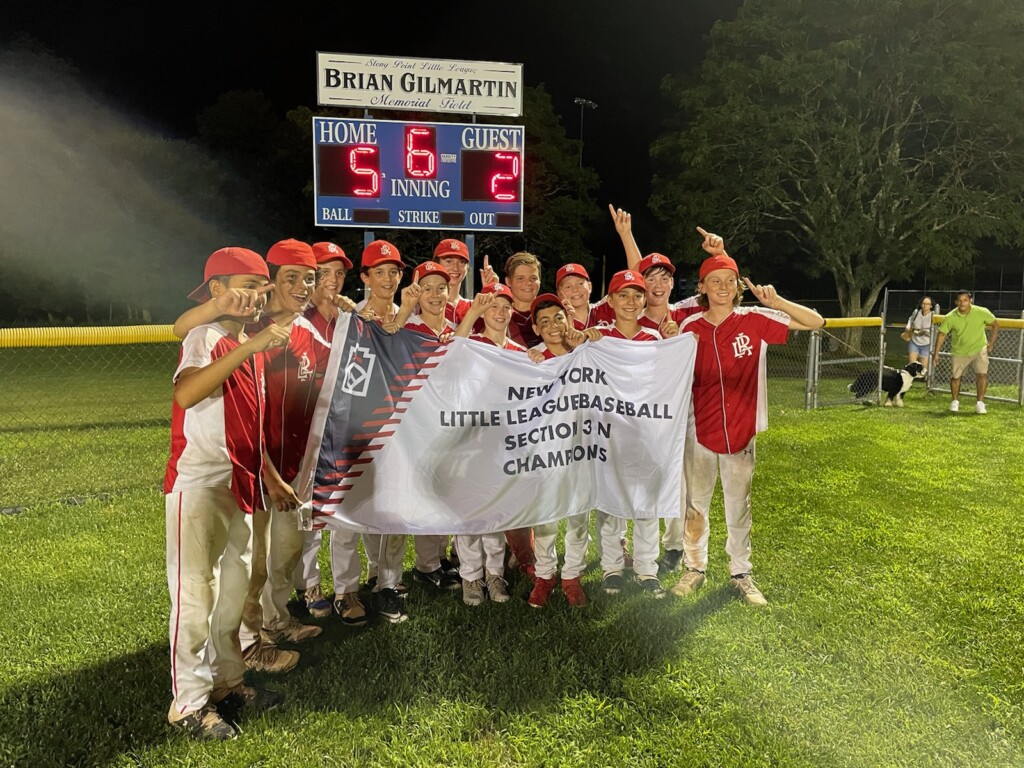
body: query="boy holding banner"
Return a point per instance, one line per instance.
(551, 323)
(429, 293)
(482, 557)
(626, 294)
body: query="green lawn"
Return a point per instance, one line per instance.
(887, 540)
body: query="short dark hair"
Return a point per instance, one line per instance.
(544, 305)
(968, 294)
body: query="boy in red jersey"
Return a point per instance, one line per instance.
(626, 293)
(730, 408)
(332, 267)
(429, 293)
(551, 323)
(453, 255)
(212, 488)
(380, 268)
(482, 557)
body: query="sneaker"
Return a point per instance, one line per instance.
(651, 585)
(979, 407)
(691, 581)
(748, 590)
(541, 592)
(264, 656)
(293, 632)
(450, 567)
(351, 610)
(613, 583)
(401, 588)
(432, 579)
(205, 724)
(671, 560)
(389, 605)
(954, 406)
(316, 602)
(573, 591)
(473, 592)
(246, 698)
(497, 589)
(627, 559)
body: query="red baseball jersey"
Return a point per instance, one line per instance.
(730, 402)
(322, 325)
(520, 329)
(644, 334)
(679, 312)
(219, 441)
(599, 313)
(509, 344)
(415, 323)
(456, 313)
(294, 377)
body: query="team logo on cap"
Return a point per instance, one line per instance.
(628, 276)
(385, 250)
(657, 259)
(570, 268)
(332, 248)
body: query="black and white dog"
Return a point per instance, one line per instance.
(895, 381)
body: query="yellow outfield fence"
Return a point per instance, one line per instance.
(11, 338)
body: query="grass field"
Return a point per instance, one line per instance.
(888, 542)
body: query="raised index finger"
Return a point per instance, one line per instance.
(702, 232)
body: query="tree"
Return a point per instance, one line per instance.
(876, 136)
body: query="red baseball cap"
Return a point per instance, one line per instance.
(627, 278)
(570, 270)
(291, 253)
(380, 252)
(428, 268)
(452, 247)
(325, 252)
(498, 289)
(544, 298)
(718, 261)
(229, 261)
(655, 260)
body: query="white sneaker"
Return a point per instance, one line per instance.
(979, 407)
(954, 406)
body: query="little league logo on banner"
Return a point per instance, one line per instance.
(414, 436)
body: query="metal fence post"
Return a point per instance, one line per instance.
(813, 359)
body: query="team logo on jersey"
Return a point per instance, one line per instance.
(741, 346)
(305, 368)
(358, 369)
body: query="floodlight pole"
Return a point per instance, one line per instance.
(583, 103)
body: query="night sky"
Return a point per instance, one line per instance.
(165, 63)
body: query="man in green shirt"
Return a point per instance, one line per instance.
(969, 344)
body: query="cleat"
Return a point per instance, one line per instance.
(264, 656)
(246, 698)
(573, 591)
(473, 592)
(351, 610)
(671, 560)
(293, 632)
(318, 604)
(651, 585)
(613, 583)
(205, 724)
(751, 595)
(541, 592)
(497, 589)
(432, 579)
(691, 581)
(389, 605)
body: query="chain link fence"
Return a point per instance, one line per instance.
(80, 421)
(1006, 361)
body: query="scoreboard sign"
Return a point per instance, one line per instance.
(418, 175)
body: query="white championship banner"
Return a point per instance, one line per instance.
(413, 436)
